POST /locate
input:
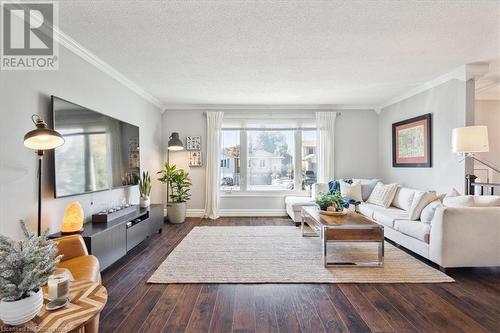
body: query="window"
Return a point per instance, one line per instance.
(270, 159)
(309, 161)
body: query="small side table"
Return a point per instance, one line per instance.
(87, 299)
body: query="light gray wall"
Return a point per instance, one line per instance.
(23, 93)
(355, 140)
(447, 104)
(487, 112)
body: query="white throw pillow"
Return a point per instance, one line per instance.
(403, 198)
(453, 193)
(459, 201)
(420, 200)
(382, 195)
(429, 211)
(351, 191)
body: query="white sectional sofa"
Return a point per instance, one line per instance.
(463, 232)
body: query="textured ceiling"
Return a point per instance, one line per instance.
(283, 52)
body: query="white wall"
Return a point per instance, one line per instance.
(447, 103)
(23, 93)
(487, 112)
(355, 140)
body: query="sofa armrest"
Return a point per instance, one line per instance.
(318, 188)
(465, 237)
(71, 247)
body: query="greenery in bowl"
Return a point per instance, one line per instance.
(178, 183)
(145, 185)
(325, 200)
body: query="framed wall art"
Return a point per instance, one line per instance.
(195, 159)
(412, 142)
(193, 142)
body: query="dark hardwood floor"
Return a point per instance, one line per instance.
(472, 304)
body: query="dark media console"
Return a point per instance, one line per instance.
(111, 241)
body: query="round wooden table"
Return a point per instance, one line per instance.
(87, 299)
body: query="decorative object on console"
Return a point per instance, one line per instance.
(469, 140)
(145, 189)
(193, 142)
(111, 214)
(26, 266)
(40, 139)
(73, 219)
(412, 142)
(178, 182)
(195, 159)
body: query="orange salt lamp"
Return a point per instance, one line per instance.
(73, 219)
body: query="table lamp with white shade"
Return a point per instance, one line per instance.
(470, 140)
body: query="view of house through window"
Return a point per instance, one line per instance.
(269, 159)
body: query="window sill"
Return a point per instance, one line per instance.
(269, 194)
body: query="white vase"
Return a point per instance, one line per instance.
(145, 202)
(21, 311)
(176, 212)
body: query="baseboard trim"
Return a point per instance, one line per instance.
(195, 212)
(252, 212)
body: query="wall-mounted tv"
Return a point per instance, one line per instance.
(99, 153)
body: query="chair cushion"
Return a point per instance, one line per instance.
(83, 268)
(415, 229)
(403, 198)
(298, 202)
(388, 216)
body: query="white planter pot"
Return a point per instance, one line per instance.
(21, 311)
(145, 202)
(176, 212)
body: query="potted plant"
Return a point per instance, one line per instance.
(145, 189)
(178, 186)
(331, 204)
(25, 266)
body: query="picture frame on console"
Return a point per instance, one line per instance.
(412, 142)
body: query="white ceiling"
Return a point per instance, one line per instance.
(283, 52)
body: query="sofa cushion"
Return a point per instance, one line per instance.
(83, 268)
(351, 191)
(388, 216)
(459, 201)
(403, 198)
(367, 186)
(382, 195)
(298, 202)
(486, 200)
(414, 229)
(366, 209)
(420, 201)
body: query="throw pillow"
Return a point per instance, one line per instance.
(403, 198)
(428, 212)
(453, 193)
(367, 186)
(351, 191)
(459, 201)
(420, 200)
(334, 185)
(382, 195)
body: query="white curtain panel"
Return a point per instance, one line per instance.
(214, 138)
(325, 124)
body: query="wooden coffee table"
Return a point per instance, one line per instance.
(349, 228)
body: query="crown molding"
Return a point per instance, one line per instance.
(463, 73)
(79, 50)
(269, 107)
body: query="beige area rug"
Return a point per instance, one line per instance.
(279, 254)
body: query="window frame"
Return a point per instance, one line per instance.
(244, 165)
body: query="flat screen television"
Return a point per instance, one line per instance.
(99, 153)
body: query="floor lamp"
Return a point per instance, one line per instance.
(40, 139)
(174, 144)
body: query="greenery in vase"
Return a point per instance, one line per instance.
(325, 200)
(145, 185)
(25, 265)
(178, 182)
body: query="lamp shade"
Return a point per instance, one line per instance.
(174, 143)
(73, 218)
(470, 139)
(42, 138)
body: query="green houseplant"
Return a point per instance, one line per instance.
(335, 201)
(178, 186)
(145, 189)
(25, 266)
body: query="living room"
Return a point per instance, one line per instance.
(223, 166)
